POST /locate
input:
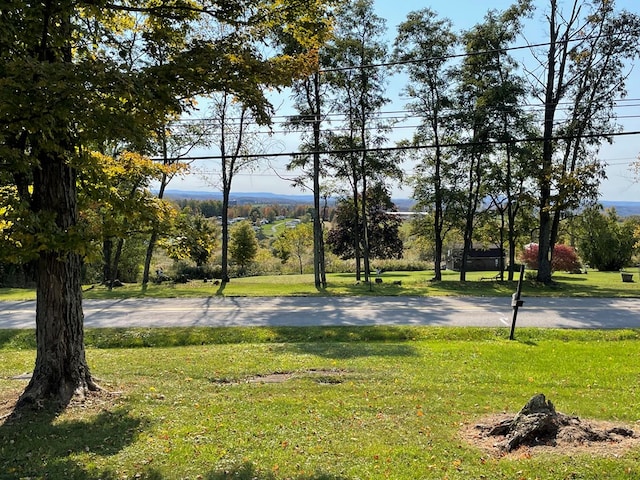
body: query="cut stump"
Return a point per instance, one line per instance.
(538, 423)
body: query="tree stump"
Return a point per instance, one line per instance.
(538, 423)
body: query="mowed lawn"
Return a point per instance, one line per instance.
(592, 284)
(320, 403)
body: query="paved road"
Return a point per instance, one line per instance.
(304, 311)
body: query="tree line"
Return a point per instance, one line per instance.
(489, 167)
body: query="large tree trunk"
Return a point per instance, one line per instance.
(356, 230)
(225, 233)
(318, 238)
(61, 369)
(555, 73)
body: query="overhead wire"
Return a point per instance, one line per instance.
(401, 116)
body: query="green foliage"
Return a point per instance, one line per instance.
(243, 245)
(383, 227)
(296, 241)
(605, 241)
(111, 76)
(194, 237)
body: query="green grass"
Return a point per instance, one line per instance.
(367, 403)
(593, 284)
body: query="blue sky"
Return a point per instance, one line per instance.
(465, 13)
(619, 186)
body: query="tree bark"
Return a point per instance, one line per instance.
(61, 369)
(318, 237)
(538, 423)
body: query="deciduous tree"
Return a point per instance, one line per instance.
(605, 241)
(489, 95)
(243, 245)
(359, 94)
(295, 241)
(384, 227)
(68, 84)
(425, 44)
(584, 72)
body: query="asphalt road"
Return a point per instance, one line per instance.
(329, 311)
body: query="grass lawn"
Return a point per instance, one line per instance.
(593, 284)
(320, 403)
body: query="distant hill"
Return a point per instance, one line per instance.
(624, 209)
(242, 197)
(266, 197)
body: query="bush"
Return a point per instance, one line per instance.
(194, 272)
(606, 242)
(17, 276)
(564, 258)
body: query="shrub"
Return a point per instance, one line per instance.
(606, 242)
(564, 258)
(194, 272)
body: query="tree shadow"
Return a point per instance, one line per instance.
(19, 338)
(248, 471)
(346, 350)
(37, 444)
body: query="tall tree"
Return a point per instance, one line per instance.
(68, 85)
(237, 144)
(425, 45)
(357, 78)
(495, 93)
(584, 72)
(488, 98)
(308, 100)
(173, 142)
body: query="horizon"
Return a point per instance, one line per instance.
(624, 208)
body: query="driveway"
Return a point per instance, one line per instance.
(334, 311)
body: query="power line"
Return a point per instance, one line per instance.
(404, 147)
(409, 114)
(465, 54)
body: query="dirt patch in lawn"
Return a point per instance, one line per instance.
(322, 376)
(8, 401)
(494, 435)
(476, 435)
(92, 402)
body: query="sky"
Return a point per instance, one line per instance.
(619, 185)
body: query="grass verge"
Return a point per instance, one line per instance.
(593, 284)
(319, 403)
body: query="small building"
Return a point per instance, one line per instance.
(479, 259)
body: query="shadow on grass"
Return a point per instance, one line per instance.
(248, 471)
(351, 350)
(17, 339)
(33, 444)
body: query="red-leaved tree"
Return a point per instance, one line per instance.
(564, 258)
